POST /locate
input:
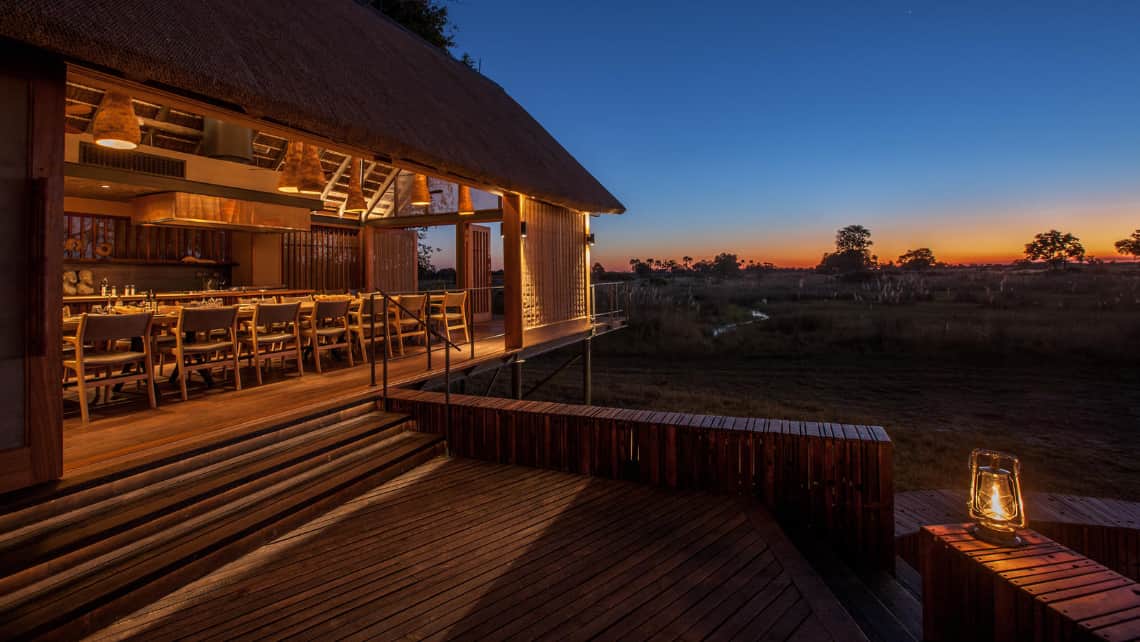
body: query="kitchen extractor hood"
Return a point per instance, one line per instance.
(200, 210)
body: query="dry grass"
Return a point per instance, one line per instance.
(1044, 366)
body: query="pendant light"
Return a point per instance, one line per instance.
(420, 193)
(289, 178)
(115, 124)
(354, 203)
(465, 207)
(312, 175)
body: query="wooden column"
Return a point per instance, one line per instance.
(32, 90)
(512, 271)
(462, 255)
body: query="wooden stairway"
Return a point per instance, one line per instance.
(75, 556)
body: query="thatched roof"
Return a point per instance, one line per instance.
(333, 68)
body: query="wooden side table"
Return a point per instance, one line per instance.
(974, 590)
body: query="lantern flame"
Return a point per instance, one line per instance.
(996, 504)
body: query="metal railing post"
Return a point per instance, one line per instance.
(387, 343)
(447, 391)
(372, 338)
(471, 321)
(427, 330)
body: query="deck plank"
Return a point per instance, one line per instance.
(470, 550)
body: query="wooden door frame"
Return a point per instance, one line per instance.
(41, 457)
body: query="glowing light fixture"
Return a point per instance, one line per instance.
(420, 194)
(522, 229)
(590, 238)
(355, 203)
(115, 124)
(289, 178)
(465, 208)
(995, 501)
(311, 176)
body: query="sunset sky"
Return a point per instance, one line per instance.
(760, 128)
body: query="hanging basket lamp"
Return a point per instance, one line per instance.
(465, 207)
(115, 124)
(420, 193)
(354, 203)
(312, 176)
(288, 180)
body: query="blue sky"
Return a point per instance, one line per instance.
(760, 128)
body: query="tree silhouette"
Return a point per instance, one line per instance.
(852, 253)
(920, 259)
(1055, 248)
(1130, 245)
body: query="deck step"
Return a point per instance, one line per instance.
(78, 560)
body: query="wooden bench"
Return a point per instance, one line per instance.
(974, 590)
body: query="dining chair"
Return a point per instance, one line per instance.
(206, 338)
(410, 321)
(363, 319)
(451, 314)
(328, 329)
(104, 333)
(275, 331)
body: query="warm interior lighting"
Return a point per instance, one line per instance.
(312, 176)
(115, 124)
(420, 194)
(289, 178)
(590, 238)
(465, 208)
(996, 503)
(355, 203)
(522, 229)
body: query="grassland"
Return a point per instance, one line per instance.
(1043, 365)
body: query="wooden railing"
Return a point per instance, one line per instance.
(832, 479)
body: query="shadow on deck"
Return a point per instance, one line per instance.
(459, 549)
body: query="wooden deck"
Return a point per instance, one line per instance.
(459, 549)
(124, 431)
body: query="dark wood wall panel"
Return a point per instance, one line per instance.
(84, 233)
(324, 259)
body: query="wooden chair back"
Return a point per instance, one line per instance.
(271, 314)
(414, 303)
(109, 327)
(206, 319)
(330, 309)
(454, 299)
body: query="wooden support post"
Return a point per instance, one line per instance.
(587, 371)
(462, 255)
(512, 272)
(517, 379)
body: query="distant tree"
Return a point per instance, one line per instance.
(1130, 245)
(726, 265)
(852, 253)
(920, 259)
(427, 19)
(687, 262)
(598, 271)
(853, 238)
(641, 268)
(1055, 248)
(423, 256)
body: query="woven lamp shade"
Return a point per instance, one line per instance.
(465, 207)
(311, 179)
(289, 178)
(420, 193)
(115, 124)
(355, 203)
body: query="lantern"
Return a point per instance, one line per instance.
(995, 497)
(289, 178)
(355, 202)
(311, 179)
(465, 208)
(420, 193)
(115, 124)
